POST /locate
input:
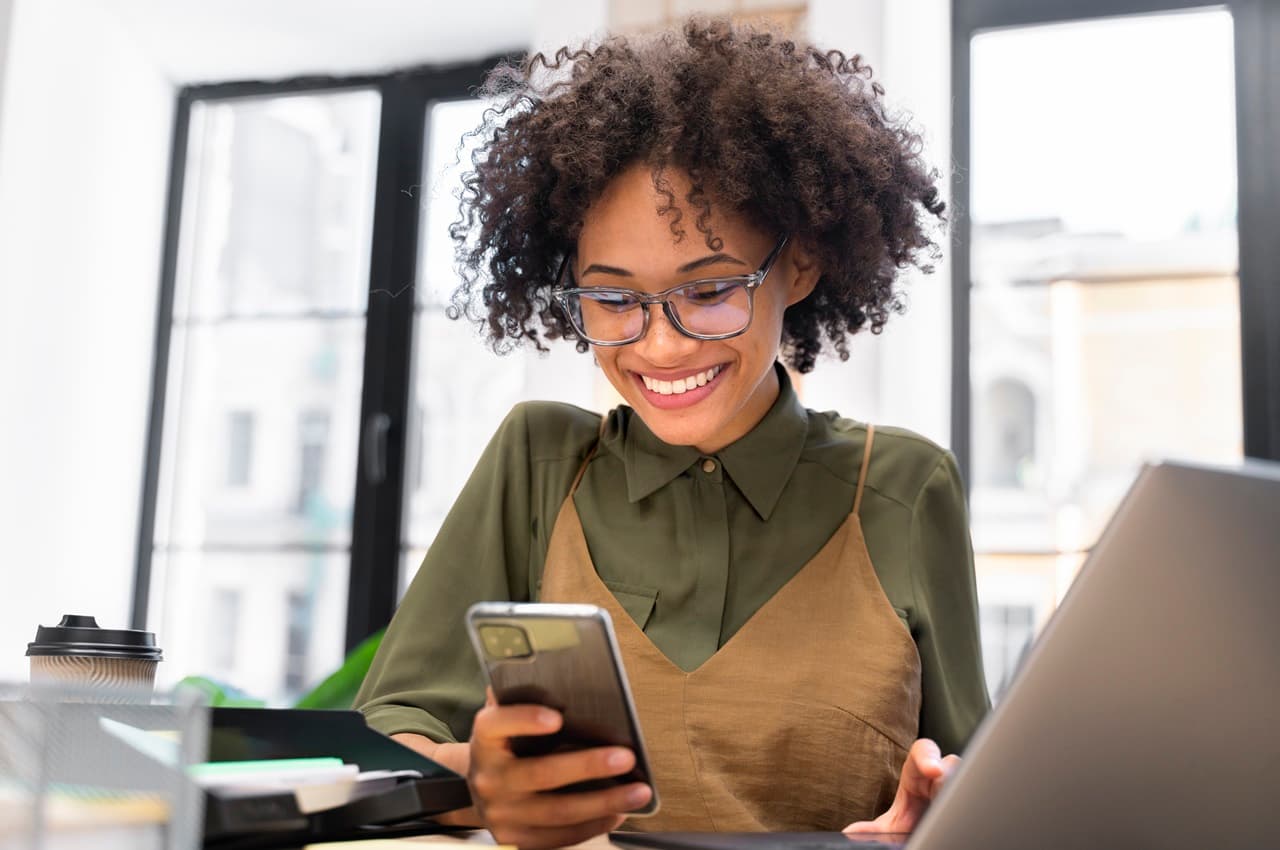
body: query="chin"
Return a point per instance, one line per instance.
(669, 428)
(678, 436)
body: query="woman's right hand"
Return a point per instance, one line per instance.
(514, 794)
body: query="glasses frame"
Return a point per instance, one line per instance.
(751, 282)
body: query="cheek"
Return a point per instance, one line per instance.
(606, 359)
(765, 336)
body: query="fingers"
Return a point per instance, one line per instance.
(492, 777)
(863, 826)
(949, 766)
(560, 769)
(513, 793)
(923, 773)
(496, 724)
(539, 838)
(922, 767)
(557, 810)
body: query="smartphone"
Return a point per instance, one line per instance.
(564, 657)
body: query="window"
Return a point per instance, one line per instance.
(297, 641)
(1007, 631)
(266, 341)
(1120, 308)
(1108, 270)
(1005, 453)
(286, 336)
(313, 439)
(452, 420)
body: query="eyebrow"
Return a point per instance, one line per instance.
(709, 260)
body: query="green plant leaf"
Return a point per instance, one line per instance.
(339, 689)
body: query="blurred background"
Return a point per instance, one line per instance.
(232, 410)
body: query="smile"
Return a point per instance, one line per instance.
(681, 385)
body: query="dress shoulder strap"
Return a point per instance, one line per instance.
(862, 473)
(577, 479)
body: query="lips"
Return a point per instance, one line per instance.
(682, 390)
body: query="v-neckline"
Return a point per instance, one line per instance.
(623, 620)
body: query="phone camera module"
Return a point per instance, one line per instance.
(503, 642)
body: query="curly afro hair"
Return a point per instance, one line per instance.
(795, 139)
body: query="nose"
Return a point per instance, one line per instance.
(663, 344)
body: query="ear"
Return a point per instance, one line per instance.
(806, 272)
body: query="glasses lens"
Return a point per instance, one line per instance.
(713, 307)
(607, 316)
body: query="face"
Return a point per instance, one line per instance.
(625, 242)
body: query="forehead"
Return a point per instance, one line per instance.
(629, 225)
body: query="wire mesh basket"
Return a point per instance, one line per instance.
(76, 772)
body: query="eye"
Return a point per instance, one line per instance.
(708, 293)
(604, 299)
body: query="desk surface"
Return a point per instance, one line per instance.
(477, 837)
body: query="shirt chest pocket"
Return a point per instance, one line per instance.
(636, 600)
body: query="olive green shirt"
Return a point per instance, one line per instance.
(690, 545)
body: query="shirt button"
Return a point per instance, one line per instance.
(708, 466)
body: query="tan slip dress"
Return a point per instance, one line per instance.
(801, 721)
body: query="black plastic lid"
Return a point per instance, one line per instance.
(78, 634)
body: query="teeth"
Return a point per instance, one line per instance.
(683, 385)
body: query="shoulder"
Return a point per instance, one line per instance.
(548, 430)
(903, 462)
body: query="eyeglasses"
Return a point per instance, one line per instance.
(711, 308)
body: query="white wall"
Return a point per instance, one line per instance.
(84, 151)
(560, 22)
(6, 20)
(901, 377)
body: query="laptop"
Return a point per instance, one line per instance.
(1148, 712)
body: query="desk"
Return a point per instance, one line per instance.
(477, 837)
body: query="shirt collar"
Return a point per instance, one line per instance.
(760, 463)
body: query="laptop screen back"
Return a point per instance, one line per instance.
(1148, 713)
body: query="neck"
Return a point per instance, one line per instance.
(749, 416)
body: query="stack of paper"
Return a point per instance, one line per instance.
(317, 783)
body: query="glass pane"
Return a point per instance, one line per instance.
(269, 623)
(1105, 311)
(448, 157)
(261, 433)
(450, 421)
(1104, 301)
(277, 205)
(410, 560)
(1018, 592)
(461, 390)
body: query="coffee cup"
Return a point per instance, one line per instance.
(114, 665)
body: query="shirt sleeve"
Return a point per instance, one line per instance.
(941, 560)
(425, 677)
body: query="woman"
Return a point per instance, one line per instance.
(793, 591)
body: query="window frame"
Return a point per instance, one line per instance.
(406, 95)
(1256, 26)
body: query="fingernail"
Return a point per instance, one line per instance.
(548, 718)
(638, 795)
(932, 762)
(619, 759)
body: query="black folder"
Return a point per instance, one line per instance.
(257, 821)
